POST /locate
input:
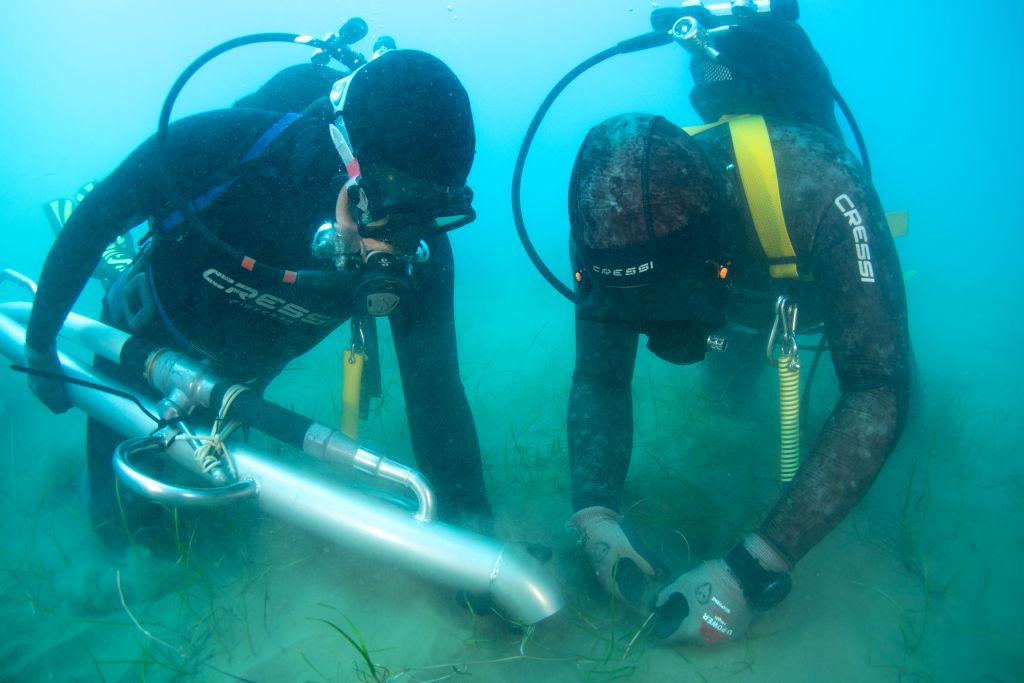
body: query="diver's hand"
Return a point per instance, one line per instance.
(51, 391)
(717, 601)
(704, 606)
(623, 567)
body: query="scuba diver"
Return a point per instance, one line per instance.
(262, 241)
(660, 230)
(758, 214)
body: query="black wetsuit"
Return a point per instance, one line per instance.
(293, 89)
(248, 324)
(841, 238)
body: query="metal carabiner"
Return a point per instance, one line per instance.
(784, 333)
(358, 343)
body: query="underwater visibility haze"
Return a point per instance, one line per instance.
(921, 582)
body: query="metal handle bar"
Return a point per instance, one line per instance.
(162, 492)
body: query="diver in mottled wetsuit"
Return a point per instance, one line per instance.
(654, 215)
(251, 295)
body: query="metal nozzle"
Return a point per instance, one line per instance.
(19, 279)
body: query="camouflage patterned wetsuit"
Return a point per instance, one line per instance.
(840, 236)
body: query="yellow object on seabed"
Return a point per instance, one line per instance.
(352, 380)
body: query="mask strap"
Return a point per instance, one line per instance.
(339, 137)
(339, 134)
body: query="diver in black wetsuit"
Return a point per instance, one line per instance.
(240, 287)
(663, 242)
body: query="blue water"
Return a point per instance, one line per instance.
(921, 583)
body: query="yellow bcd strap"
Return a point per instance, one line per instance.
(756, 164)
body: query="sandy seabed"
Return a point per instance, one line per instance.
(920, 583)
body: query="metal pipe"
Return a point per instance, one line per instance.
(186, 382)
(175, 374)
(330, 445)
(103, 339)
(520, 588)
(168, 494)
(19, 279)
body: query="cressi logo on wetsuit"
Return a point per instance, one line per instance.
(623, 272)
(860, 237)
(265, 303)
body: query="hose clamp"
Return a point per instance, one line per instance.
(783, 334)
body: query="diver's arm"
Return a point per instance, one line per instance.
(600, 420)
(866, 321)
(200, 148)
(113, 207)
(441, 425)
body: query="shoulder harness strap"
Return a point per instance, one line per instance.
(756, 163)
(208, 197)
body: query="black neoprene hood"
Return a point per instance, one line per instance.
(408, 110)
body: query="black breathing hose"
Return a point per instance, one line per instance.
(323, 279)
(641, 42)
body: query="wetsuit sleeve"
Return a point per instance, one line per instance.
(441, 425)
(600, 418)
(200, 147)
(115, 205)
(858, 277)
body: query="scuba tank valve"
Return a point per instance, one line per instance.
(718, 14)
(337, 45)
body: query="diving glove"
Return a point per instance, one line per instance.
(623, 567)
(50, 390)
(716, 602)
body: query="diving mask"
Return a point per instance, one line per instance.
(657, 289)
(383, 200)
